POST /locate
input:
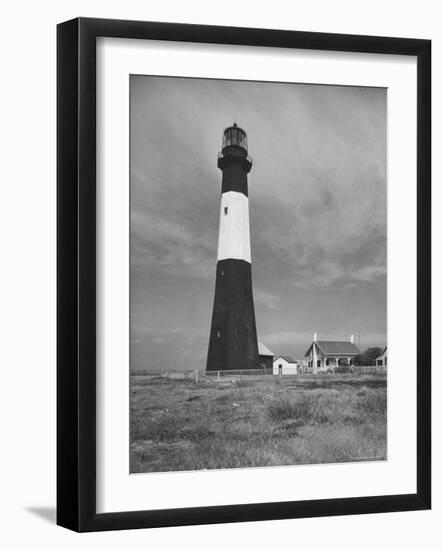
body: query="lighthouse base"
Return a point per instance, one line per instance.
(233, 343)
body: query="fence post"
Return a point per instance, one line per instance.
(196, 376)
(218, 376)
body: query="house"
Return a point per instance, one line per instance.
(326, 355)
(284, 364)
(265, 357)
(381, 361)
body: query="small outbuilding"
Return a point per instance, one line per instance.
(284, 364)
(265, 357)
(381, 361)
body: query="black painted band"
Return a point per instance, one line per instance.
(234, 179)
(233, 341)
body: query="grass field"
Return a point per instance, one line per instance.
(183, 425)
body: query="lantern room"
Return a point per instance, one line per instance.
(234, 148)
(235, 136)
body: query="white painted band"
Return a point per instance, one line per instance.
(234, 230)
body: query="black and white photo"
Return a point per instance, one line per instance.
(258, 274)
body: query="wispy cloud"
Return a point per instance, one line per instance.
(281, 338)
(333, 239)
(169, 246)
(272, 301)
(174, 348)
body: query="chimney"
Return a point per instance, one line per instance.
(352, 338)
(315, 336)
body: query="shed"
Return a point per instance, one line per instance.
(284, 364)
(381, 361)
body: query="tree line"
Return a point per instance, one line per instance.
(368, 357)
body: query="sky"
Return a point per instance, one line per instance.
(317, 199)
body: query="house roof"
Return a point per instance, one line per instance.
(328, 347)
(263, 350)
(286, 358)
(383, 352)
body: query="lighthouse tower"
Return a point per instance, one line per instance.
(233, 343)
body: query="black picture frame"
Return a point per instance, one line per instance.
(76, 274)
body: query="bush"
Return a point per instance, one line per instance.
(304, 409)
(322, 407)
(344, 369)
(288, 409)
(368, 357)
(374, 403)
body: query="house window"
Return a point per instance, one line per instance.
(327, 362)
(225, 210)
(318, 363)
(385, 361)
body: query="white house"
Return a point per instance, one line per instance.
(326, 355)
(284, 364)
(381, 361)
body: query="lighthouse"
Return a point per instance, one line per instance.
(233, 343)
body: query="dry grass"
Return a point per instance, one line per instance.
(180, 425)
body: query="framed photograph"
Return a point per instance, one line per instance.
(243, 274)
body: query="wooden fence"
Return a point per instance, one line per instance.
(375, 369)
(196, 375)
